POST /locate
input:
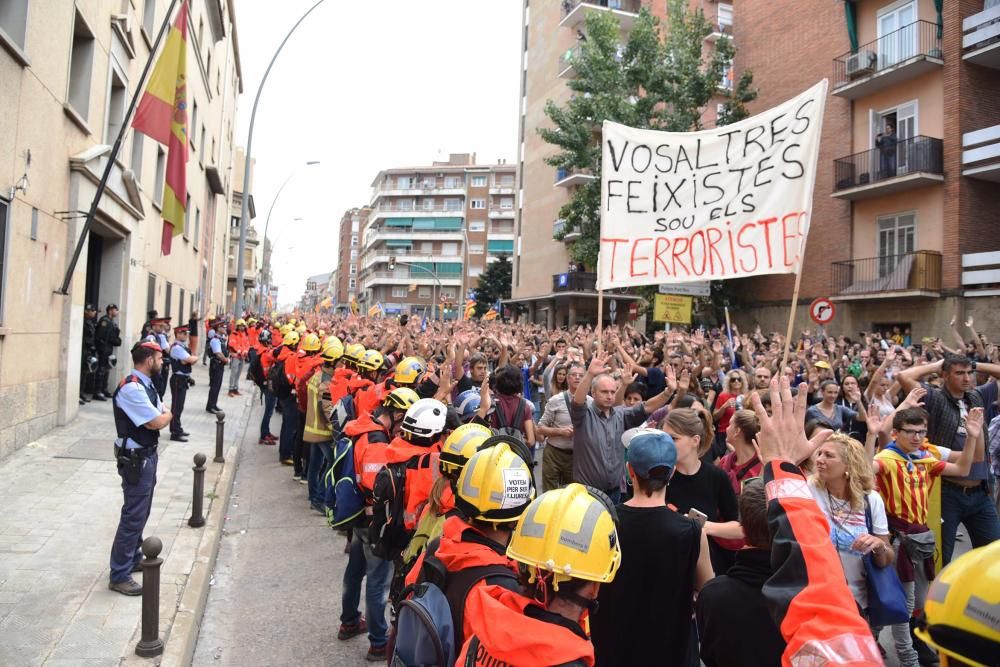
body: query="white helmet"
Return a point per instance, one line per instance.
(424, 419)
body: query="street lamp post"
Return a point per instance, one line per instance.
(392, 265)
(244, 208)
(267, 221)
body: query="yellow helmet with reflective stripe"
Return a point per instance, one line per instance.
(960, 614)
(311, 343)
(333, 349)
(291, 320)
(409, 370)
(460, 445)
(353, 352)
(241, 322)
(286, 329)
(371, 360)
(301, 329)
(569, 532)
(291, 339)
(495, 485)
(400, 398)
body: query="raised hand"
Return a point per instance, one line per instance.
(915, 399)
(782, 436)
(974, 423)
(598, 364)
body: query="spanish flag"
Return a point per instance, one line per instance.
(163, 115)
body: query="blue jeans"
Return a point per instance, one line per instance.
(265, 423)
(320, 459)
(289, 428)
(138, 500)
(363, 563)
(974, 509)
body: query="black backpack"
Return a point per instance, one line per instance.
(256, 371)
(387, 531)
(278, 380)
(516, 425)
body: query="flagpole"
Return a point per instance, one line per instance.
(126, 124)
(791, 314)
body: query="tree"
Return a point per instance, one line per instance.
(494, 283)
(659, 79)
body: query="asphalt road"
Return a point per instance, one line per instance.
(275, 596)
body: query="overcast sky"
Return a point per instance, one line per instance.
(363, 86)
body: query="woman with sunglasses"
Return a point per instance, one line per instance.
(732, 398)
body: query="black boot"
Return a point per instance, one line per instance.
(925, 654)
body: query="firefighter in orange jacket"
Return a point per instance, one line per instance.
(408, 373)
(370, 434)
(342, 377)
(285, 394)
(544, 626)
(308, 361)
(419, 441)
(239, 346)
(493, 491)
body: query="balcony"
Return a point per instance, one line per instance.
(575, 12)
(981, 38)
(566, 178)
(502, 188)
(410, 234)
(981, 273)
(567, 62)
(898, 56)
(499, 212)
(574, 281)
(559, 226)
(414, 278)
(981, 154)
(891, 276)
(911, 163)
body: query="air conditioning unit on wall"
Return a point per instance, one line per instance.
(861, 63)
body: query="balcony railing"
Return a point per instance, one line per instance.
(918, 271)
(918, 40)
(574, 281)
(917, 154)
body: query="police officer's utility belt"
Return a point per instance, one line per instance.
(139, 452)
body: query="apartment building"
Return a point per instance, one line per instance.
(442, 224)
(346, 274)
(904, 222)
(252, 274)
(68, 71)
(545, 286)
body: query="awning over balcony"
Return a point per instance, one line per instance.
(500, 246)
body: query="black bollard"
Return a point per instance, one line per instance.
(150, 645)
(220, 435)
(197, 519)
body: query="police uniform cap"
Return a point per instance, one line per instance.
(181, 328)
(89, 307)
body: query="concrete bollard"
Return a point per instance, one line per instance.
(197, 519)
(150, 644)
(220, 435)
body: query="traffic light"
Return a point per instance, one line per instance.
(392, 262)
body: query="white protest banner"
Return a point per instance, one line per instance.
(729, 202)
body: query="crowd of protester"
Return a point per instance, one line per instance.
(580, 497)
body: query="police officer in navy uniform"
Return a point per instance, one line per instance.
(88, 354)
(181, 360)
(159, 327)
(108, 337)
(139, 416)
(217, 350)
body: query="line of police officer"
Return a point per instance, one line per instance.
(100, 338)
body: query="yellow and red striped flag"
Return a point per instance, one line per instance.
(163, 115)
(470, 309)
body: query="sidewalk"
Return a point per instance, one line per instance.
(60, 499)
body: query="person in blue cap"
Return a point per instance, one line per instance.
(644, 615)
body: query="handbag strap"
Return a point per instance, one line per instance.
(868, 516)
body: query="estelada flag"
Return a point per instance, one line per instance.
(163, 116)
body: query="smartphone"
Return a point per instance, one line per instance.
(698, 516)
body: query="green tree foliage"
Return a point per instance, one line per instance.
(661, 78)
(494, 283)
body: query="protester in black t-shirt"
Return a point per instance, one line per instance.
(644, 615)
(734, 624)
(699, 486)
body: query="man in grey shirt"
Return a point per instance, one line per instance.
(556, 427)
(598, 455)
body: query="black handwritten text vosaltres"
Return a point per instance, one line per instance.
(707, 206)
